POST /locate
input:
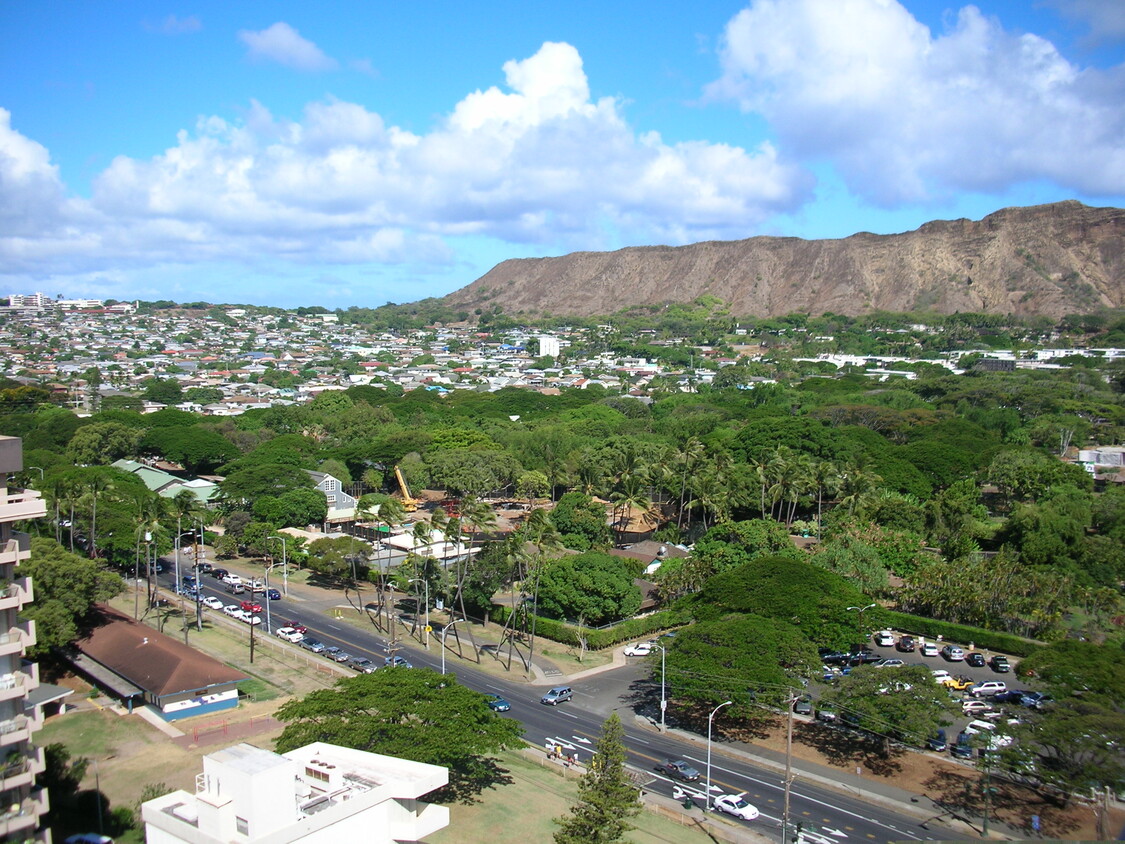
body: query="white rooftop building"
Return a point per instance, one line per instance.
(316, 793)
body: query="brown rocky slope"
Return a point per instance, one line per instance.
(1042, 260)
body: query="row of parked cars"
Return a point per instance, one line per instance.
(297, 634)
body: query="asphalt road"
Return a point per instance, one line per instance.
(576, 725)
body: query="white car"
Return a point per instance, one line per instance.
(890, 663)
(884, 639)
(232, 580)
(975, 727)
(289, 634)
(213, 602)
(233, 610)
(736, 805)
(251, 619)
(929, 649)
(988, 687)
(941, 675)
(638, 649)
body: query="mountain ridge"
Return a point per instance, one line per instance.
(1047, 260)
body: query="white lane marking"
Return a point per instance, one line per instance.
(803, 796)
(581, 739)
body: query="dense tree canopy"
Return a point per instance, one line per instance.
(412, 713)
(591, 586)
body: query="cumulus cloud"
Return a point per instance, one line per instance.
(281, 43)
(538, 162)
(1105, 18)
(173, 25)
(907, 115)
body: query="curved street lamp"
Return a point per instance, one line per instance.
(710, 720)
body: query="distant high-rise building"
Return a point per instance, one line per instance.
(21, 804)
(548, 345)
(28, 302)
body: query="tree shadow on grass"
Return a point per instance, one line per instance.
(961, 793)
(468, 778)
(846, 748)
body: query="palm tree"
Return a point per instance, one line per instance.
(827, 478)
(855, 484)
(687, 458)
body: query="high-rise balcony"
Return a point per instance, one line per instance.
(19, 769)
(16, 549)
(16, 595)
(18, 504)
(23, 815)
(18, 638)
(18, 683)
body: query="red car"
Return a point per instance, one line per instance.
(251, 606)
(296, 625)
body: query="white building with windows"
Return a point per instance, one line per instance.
(316, 793)
(549, 345)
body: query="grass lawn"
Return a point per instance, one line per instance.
(522, 811)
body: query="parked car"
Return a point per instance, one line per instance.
(232, 609)
(678, 769)
(864, 656)
(975, 707)
(803, 706)
(296, 625)
(941, 676)
(336, 654)
(960, 683)
(961, 750)
(1009, 696)
(905, 644)
(219, 574)
(251, 606)
(288, 634)
(311, 644)
(976, 727)
(735, 805)
(929, 649)
(988, 687)
(272, 594)
(827, 715)
(497, 703)
(884, 638)
(638, 649)
(975, 659)
(397, 662)
(938, 742)
(204, 568)
(361, 664)
(557, 695)
(952, 653)
(1035, 700)
(213, 602)
(830, 657)
(890, 663)
(250, 618)
(999, 664)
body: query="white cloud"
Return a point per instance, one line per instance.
(281, 43)
(906, 115)
(540, 162)
(1105, 18)
(173, 25)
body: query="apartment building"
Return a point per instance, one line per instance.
(21, 804)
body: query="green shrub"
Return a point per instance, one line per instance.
(963, 633)
(567, 634)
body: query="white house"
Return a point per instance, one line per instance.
(316, 793)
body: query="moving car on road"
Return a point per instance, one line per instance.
(678, 769)
(736, 805)
(557, 695)
(289, 635)
(497, 703)
(213, 602)
(361, 664)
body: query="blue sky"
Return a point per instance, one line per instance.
(355, 153)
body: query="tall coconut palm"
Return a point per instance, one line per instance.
(687, 458)
(826, 476)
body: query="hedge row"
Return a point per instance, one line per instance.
(567, 634)
(931, 628)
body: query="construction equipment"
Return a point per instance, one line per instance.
(409, 504)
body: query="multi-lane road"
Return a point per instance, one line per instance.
(837, 814)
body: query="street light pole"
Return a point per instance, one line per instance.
(859, 620)
(663, 696)
(445, 630)
(789, 703)
(284, 566)
(710, 720)
(427, 630)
